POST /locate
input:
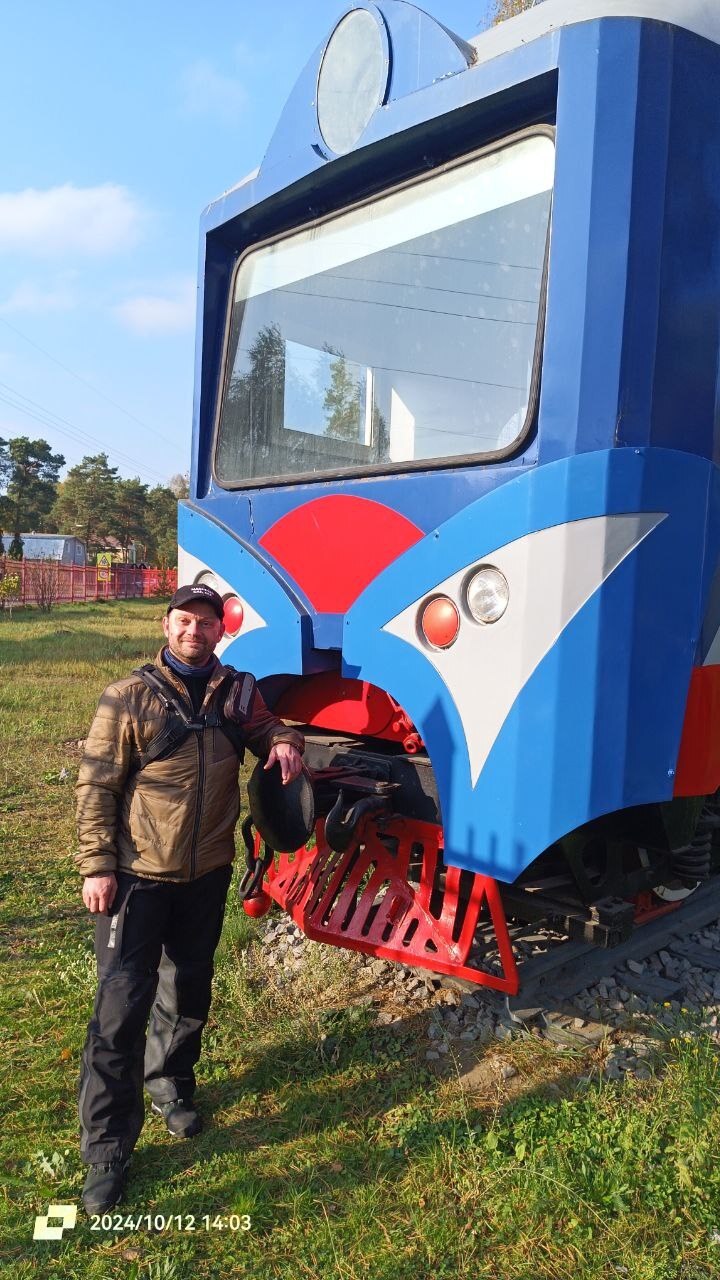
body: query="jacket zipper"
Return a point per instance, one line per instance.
(201, 777)
(199, 806)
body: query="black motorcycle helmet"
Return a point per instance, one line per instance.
(284, 815)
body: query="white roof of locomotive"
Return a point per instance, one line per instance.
(700, 16)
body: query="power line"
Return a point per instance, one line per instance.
(77, 433)
(431, 288)
(45, 422)
(387, 368)
(86, 383)
(47, 418)
(451, 257)
(399, 306)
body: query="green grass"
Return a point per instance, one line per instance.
(351, 1159)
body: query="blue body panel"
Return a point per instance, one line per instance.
(588, 733)
(621, 93)
(279, 645)
(627, 417)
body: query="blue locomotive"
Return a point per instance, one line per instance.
(454, 467)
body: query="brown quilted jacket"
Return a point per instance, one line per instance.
(175, 819)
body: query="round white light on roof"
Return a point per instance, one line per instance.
(487, 594)
(353, 79)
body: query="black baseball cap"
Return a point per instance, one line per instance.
(196, 593)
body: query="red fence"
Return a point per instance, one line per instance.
(46, 581)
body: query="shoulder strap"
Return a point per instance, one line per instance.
(179, 724)
(169, 696)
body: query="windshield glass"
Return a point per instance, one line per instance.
(401, 331)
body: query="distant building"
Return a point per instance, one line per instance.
(114, 549)
(50, 546)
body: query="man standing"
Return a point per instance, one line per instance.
(157, 802)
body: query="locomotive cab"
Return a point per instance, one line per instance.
(454, 469)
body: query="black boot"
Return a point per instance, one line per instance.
(181, 1118)
(104, 1185)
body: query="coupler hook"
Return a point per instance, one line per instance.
(250, 891)
(340, 829)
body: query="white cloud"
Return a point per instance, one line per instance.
(209, 92)
(69, 219)
(169, 311)
(55, 294)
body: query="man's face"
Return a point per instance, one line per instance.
(192, 632)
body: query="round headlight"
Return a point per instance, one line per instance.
(487, 594)
(352, 81)
(208, 579)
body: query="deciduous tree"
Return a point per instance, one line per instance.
(255, 398)
(179, 485)
(4, 461)
(503, 9)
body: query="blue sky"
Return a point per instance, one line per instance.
(122, 121)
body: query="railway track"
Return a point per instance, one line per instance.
(554, 1000)
(553, 968)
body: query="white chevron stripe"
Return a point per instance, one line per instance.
(188, 569)
(551, 574)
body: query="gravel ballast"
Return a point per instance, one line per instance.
(680, 979)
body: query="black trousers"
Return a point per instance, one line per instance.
(154, 956)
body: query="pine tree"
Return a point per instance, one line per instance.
(28, 474)
(86, 501)
(162, 526)
(342, 402)
(131, 513)
(256, 397)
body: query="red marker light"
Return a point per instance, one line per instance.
(258, 905)
(440, 622)
(233, 615)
